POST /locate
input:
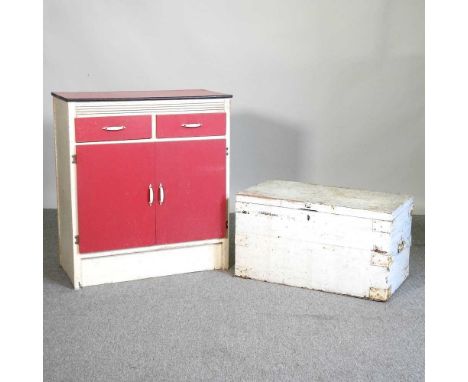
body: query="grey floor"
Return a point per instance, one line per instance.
(211, 326)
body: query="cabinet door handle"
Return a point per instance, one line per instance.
(191, 125)
(161, 193)
(151, 195)
(113, 128)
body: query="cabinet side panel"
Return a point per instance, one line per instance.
(228, 258)
(63, 184)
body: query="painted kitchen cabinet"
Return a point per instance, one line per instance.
(142, 183)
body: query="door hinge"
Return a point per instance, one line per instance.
(74, 158)
(77, 239)
(227, 150)
(227, 224)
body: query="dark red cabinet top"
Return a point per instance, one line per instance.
(139, 95)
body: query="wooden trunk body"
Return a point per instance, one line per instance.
(331, 239)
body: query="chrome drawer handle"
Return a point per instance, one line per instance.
(191, 125)
(113, 128)
(161, 194)
(151, 195)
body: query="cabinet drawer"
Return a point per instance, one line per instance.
(190, 125)
(112, 128)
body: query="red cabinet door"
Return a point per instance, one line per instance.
(192, 177)
(113, 183)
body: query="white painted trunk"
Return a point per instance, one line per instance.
(325, 238)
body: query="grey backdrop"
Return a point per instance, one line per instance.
(325, 91)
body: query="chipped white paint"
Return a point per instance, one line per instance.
(334, 200)
(337, 240)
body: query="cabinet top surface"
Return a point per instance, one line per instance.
(139, 95)
(274, 192)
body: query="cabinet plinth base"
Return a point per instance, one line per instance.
(163, 262)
